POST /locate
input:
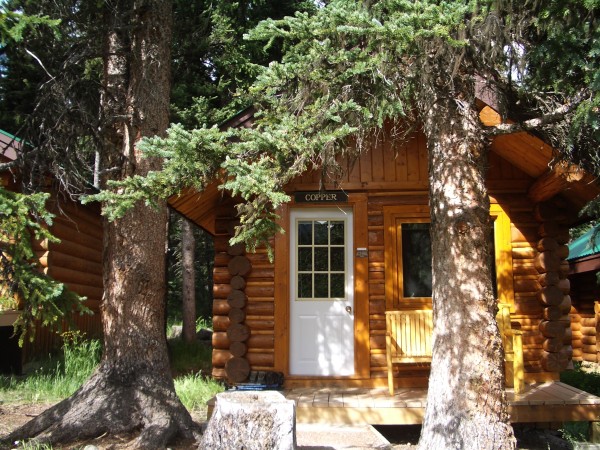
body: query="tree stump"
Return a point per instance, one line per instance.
(252, 421)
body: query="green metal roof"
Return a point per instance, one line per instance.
(585, 245)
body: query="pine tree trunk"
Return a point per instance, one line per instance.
(132, 390)
(466, 399)
(188, 246)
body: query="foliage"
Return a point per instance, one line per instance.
(212, 64)
(56, 378)
(23, 285)
(195, 390)
(588, 381)
(203, 266)
(190, 357)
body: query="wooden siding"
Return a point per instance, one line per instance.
(77, 262)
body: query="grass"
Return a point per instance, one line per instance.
(586, 380)
(59, 377)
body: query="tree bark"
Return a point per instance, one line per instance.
(132, 389)
(188, 244)
(466, 399)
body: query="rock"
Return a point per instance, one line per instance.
(176, 332)
(251, 420)
(204, 334)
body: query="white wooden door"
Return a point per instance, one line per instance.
(321, 292)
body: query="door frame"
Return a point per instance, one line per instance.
(358, 203)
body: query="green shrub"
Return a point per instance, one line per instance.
(195, 390)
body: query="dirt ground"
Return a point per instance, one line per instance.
(402, 438)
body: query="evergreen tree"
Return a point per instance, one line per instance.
(353, 66)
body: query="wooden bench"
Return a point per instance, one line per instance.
(409, 340)
(512, 339)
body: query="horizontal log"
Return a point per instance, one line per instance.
(588, 322)
(82, 226)
(544, 211)
(260, 359)
(237, 282)
(236, 315)
(237, 369)
(238, 349)
(590, 357)
(260, 323)
(523, 253)
(553, 313)
(588, 340)
(75, 276)
(526, 285)
(91, 292)
(238, 332)
(222, 259)
(237, 298)
(220, 340)
(524, 267)
(547, 244)
(553, 328)
(220, 357)
(69, 234)
(564, 285)
(589, 348)
(220, 323)
(549, 229)
(547, 261)
(266, 290)
(555, 362)
(260, 308)
(220, 307)
(563, 270)
(77, 250)
(589, 331)
(553, 345)
(67, 261)
(221, 291)
(576, 343)
(262, 341)
(239, 265)
(221, 276)
(563, 251)
(551, 295)
(218, 373)
(565, 305)
(261, 273)
(549, 279)
(236, 250)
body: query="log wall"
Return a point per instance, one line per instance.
(585, 317)
(554, 297)
(391, 177)
(77, 262)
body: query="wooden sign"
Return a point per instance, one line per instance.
(321, 197)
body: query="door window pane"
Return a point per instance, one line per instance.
(416, 260)
(321, 259)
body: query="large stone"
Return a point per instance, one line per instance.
(251, 420)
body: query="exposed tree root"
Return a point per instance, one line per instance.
(110, 403)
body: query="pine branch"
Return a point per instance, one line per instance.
(536, 123)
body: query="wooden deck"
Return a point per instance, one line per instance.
(546, 402)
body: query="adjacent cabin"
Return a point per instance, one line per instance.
(75, 261)
(584, 264)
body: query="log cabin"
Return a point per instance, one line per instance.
(354, 252)
(76, 261)
(584, 266)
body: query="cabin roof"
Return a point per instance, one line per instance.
(586, 245)
(523, 150)
(9, 145)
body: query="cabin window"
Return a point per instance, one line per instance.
(416, 260)
(321, 259)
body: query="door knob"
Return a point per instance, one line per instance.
(349, 309)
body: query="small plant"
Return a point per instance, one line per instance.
(204, 323)
(195, 390)
(57, 378)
